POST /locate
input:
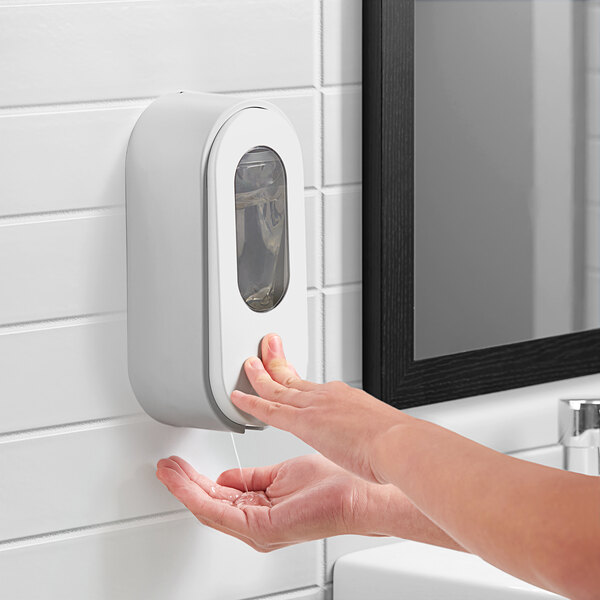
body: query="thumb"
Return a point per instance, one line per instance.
(255, 478)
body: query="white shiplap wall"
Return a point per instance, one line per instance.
(81, 514)
(79, 503)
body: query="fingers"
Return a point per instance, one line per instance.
(209, 512)
(264, 384)
(269, 412)
(256, 478)
(186, 470)
(184, 467)
(278, 367)
(271, 390)
(212, 511)
(217, 512)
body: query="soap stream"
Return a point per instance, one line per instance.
(237, 456)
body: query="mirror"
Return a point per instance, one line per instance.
(481, 199)
(501, 150)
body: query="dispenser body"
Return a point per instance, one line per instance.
(215, 253)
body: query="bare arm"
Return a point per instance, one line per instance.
(537, 523)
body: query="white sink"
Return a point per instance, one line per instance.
(413, 571)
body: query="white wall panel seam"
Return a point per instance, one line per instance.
(341, 188)
(49, 216)
(30, 110)
(340, 288)
(89, 530)
(25, 435)
(135, 102)
(323, 570)
(43, 324)
(342, 88)
(321, 45)
(75, 213)
(329, 87)
(25, 3)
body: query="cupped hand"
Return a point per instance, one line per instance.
(305, 498)
(342, 423)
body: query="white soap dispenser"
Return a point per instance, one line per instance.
(215, 253)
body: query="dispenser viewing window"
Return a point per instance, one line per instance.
(261, 229)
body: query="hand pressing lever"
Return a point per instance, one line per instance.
(383, 472)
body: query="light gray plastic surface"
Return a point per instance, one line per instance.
(167, 258)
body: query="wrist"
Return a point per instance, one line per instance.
(394, 515)
(386, 449)
(387, 508)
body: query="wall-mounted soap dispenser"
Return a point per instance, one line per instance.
(215, 253)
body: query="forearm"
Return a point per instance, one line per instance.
(540, 524)
(393, 514)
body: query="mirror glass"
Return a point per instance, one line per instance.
(507, 161)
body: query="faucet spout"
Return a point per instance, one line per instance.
(579, 429)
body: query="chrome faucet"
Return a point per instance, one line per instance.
(579, 429)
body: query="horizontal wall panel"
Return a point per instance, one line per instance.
(342, 41)
(67, 374)
(315, 337)
(75, 159)
(54, 269)
(64, 160)
(313, 238)
(343, 334)
(103, 50)
(73, 479)
(175, 559)
(342, 240)
(342, 136)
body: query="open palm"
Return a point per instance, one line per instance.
(301, 499)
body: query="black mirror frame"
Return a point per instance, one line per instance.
(389, 369)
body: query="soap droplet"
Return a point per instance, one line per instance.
(252, 499)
